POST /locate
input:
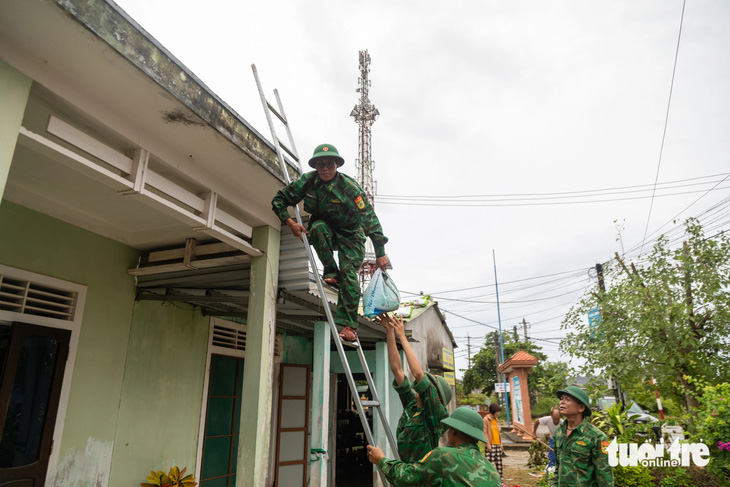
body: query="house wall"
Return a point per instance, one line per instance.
(14, 87)
(161, 399)
(38, 243)
(431, 337)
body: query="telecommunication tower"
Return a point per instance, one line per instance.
(364, 114)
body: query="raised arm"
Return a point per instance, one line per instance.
(411, 358)
(393, 355)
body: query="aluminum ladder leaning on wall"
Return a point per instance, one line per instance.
(291, 150)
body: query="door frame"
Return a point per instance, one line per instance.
(9, 373)
(73, 325)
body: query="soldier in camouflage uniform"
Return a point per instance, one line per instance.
(341, 219)
(459, 464)
(424, 402)
(581, 449)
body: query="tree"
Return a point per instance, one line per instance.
(483, 372)
(665, 317)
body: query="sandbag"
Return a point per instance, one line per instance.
(380, 296)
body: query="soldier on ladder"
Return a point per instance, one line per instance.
(341, 219)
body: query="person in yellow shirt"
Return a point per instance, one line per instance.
(493, 446)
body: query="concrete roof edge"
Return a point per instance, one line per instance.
(111, 24)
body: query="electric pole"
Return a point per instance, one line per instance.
(524, 327)
(468, 350)
(615, 383)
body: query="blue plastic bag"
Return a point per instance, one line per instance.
(380, 296)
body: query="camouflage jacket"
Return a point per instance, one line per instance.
(444, 467)
(340, 202)
(419, 429)
(582, 457)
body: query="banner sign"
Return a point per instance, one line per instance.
(448, 359)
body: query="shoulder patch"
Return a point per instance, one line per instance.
(359, 202)
(581, 443)
(426, 456)
(604, 447)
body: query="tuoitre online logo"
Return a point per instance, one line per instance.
(653, 455)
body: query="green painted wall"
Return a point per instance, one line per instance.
(297, 350)
(38, 243)
(159, 414)
(14, 87)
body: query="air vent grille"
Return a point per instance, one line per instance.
(32, 298)
(233, 337)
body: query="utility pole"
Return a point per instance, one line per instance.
(524, 327)
(615, 383)
(501, 340)
(468, 350)
(514, 332)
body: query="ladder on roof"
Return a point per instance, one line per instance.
(293, 157)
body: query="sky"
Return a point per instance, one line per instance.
(536, 108)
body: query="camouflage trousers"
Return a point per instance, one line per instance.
(350, 247)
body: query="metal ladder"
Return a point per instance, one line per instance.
(375, 403)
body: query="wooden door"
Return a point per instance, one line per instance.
(34, 359)
(292, 445)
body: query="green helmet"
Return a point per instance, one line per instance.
(326, 150)
(579, 395)
(468, 421)
(442, 386)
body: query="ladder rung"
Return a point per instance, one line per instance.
(350, 344)
(276, 112)
(370, 404)
(287, 149)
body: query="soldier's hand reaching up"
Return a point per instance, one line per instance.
(397, 323)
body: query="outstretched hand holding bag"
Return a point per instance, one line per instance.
(380, 296)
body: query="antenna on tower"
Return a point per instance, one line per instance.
(364, 114)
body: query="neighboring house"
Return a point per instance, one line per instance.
(432, 341)
(151, 312)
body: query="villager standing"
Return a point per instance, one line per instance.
(424, 402)
(580, 448)
(341, 220)
(551, 422)
(458, 464)
(493, 446)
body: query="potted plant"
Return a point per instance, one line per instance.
(174, 478)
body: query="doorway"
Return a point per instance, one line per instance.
(352, 466)
(32, 365)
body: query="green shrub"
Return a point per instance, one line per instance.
(638, 476)
(676, 477)
(538, 454)
(713, 425)
(543, 406)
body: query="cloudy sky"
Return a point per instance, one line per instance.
(500, 122)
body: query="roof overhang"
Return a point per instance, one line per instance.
(102, 76)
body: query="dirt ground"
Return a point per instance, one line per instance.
(516, 471)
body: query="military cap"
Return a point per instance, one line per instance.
(579, 395)
(442, 386)
(326, 150)
(468, 421)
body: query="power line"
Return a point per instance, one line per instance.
(479, 204)
(666, 123)
(561, 194)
